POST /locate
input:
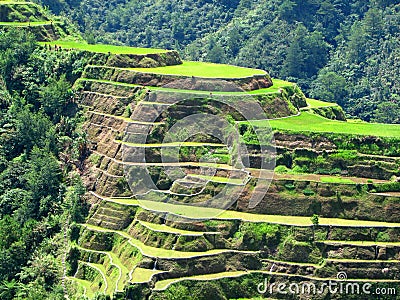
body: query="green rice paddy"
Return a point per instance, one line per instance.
(308, 122)
(203, 69)
(101, 48)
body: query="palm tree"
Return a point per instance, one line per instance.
(8, 289)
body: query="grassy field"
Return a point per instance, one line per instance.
(203, 69)
(336, 179)
(100, 48)
(107, 287)
(308, 122)
(141, 275)
(312, 103)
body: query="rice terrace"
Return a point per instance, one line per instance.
(137, 173)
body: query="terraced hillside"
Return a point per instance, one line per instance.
(32, 17)
(205, 180)
(155, 240)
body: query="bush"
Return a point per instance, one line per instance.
(290, 186)
(282, 169)
(300, 170)
(308, 192)
(383, 237)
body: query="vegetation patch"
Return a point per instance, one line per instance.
(314, 123)
(101, 48)
(202, 69)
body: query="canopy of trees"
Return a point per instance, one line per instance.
(37, 192)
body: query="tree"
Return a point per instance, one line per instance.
(286, 9)
(43, 180)
(31, 129)
(330, 87)
(8, 289)
(373, 23)
(234, 41)
(15, 48)
(387, 112)
(55, 96)
(295, 57)
(215, 53)
(307, 53)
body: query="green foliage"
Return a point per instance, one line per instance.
(55, 96)
(259, 235)
(37, 124)
(330, 87)
(388, 187)
(307, 53)
(383, 237)
(314, 123)
(290, 186)
(315, 220)
(308, 192)
(15, 49)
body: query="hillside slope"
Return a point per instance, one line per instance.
(156, 240)
(340, 51)
(161, 178)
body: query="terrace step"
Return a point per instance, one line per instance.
(165, 284)
(165, 94)
(167, 229)
(186, 211)
(105, 103)
(141, 275)
(363, 251)
(113, 260)
(159, 253)
(151, 77)
(162, 236)
(88, 291)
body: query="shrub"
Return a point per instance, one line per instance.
(383, 237)
(290, 186)
(300, 170)
(282, 169)
(308, 192)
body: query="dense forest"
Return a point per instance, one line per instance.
(343, 51)
(41, 146)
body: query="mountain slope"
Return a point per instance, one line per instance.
(302, 41)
